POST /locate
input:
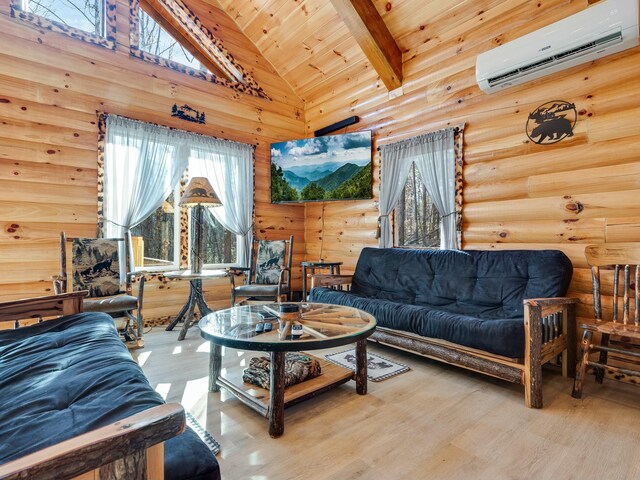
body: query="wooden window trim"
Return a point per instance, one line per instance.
(249, 85)
(183, 250)
(108, 40)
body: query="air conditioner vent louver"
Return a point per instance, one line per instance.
(608, 27)
(558, 58)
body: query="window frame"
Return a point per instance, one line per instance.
(183, 223)
(249, 85)
(458, 141)
(107, 39)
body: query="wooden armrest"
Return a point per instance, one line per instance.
(543, 302)
(50, 306)
(99, 447)
(547, 306)
(327, 280)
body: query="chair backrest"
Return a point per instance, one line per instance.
(616, 258)
(269, 257)
(95, 265)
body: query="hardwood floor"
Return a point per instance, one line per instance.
(435, 422)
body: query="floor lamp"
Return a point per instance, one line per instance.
(199, 193)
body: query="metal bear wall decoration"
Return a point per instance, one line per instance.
(551, 122)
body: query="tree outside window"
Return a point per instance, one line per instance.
(157, 233)
(417, 221)
(156, 40)
(85, 15)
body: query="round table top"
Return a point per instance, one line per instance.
(320, 264)
(324, 326)
(189, 275)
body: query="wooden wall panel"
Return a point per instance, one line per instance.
(517, 195)
(51, 87)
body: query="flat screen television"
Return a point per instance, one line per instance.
(333, 167)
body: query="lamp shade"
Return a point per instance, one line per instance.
(199, 192)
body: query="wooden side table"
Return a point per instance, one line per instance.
(333, 267)
(196, 297)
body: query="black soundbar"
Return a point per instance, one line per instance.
(336, 126)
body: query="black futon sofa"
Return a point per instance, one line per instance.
(496, 312)
(72, 379)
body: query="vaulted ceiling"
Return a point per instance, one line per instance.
(314, 49)
(310, 46)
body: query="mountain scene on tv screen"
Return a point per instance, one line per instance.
(336, 167)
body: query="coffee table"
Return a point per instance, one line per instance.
(324, 326)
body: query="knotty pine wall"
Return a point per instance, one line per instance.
(50, 89)
(584, 189)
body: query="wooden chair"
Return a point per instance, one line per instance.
(620, 258)
(95, 267)
(268, 278)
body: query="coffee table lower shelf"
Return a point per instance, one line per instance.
(258, 398)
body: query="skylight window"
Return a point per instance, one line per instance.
(168, 33)
(156, 40)
(86, 15)
(91, 21)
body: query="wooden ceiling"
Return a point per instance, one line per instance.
(311, 47)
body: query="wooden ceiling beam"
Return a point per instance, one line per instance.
(369, 30)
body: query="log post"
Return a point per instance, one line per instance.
(582, 366)
(532, 356)
(361, 367)
(215, 365)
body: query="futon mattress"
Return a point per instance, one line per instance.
(65, 377)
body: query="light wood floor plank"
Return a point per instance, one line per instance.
(435, 421)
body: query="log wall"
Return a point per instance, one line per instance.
(51, 87)
(517, 194)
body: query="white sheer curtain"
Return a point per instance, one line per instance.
(142, 165)
(434, 155)
(436, 163)
(394, 169)
(229, 168)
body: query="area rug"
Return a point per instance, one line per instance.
(203, 434)
(378, 368)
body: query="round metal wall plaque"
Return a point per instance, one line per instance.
(551, 122)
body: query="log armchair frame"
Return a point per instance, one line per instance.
(129, 448)
(550, 331)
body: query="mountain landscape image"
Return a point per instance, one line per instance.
(335, 167)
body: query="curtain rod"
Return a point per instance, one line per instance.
(457, 129)
(174, 128)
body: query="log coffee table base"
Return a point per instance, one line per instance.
(223, 328)
(261, 400)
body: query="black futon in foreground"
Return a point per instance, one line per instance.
(65, 377)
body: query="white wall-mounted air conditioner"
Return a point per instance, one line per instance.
(602, 29)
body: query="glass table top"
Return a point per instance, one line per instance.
(317, 326)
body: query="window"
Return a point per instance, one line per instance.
(220, 245)
(167, 33)
(417, 221)
(157, 238)
(144, 166)
(156, 40)
(92, 21)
